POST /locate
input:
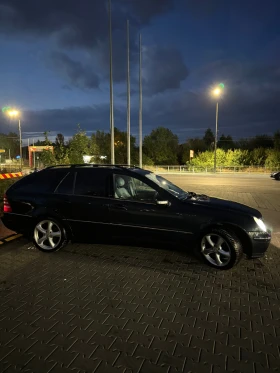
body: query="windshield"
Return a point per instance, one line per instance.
(167, 185)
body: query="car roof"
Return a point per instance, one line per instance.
(117, 167)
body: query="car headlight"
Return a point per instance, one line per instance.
(260, 224)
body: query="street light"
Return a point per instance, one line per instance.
(14, 114)
(217, 93)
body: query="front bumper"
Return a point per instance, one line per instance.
(260, 243)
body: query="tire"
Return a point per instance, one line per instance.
(277, 177)
(54, 233)
(226, 254)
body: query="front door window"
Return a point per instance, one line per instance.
(130, 188)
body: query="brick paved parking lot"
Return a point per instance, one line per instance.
(155, 308)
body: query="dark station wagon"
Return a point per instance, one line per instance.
(63, 203)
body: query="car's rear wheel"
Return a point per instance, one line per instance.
(220, 248)
(277, 177)
(49, 235)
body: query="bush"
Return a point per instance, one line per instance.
(238, 157)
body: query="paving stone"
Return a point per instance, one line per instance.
(104, 367)
(129, 310)
(131, 363)
(36, 364)
(235, 366)
(153, 368)
(123, 346)
(18, 359)
(176, 362)
(85, 364)
(151, 354)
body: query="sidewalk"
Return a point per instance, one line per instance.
(4, 232)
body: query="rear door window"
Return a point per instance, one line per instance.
(66, 186)
(92, 182)
(44, 181)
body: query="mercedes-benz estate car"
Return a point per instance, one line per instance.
(63, 203)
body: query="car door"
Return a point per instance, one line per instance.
(85, 207)
(140, 215)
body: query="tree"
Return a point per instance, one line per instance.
(226, 142)
(183, 153)
(273, 159)
(59, 141)
(48, 157)
(198, 145)
(276, 140)
(257, 157)
(10, 143)
(102, 140)
(209, 138)
(261, 141)
(161, 146)
(147, 161)
(94, 148)
(78, 146)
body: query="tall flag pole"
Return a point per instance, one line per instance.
(112, 126)
(128, 98)
(140, 101)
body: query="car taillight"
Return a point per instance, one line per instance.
(7, 206)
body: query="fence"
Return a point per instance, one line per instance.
(9, 167)
(222, 169)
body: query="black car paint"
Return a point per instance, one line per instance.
(275, 175)
(89, 214)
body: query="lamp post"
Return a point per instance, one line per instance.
(14, 114)
(217, 93)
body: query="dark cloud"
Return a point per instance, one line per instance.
(164, 69)
(246, 109)
(78, 23)
(202, 8)
(250, 88)
(77, 74)
(144, 10)
(84, 25)
(90, 118)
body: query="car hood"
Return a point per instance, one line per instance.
(222, 204)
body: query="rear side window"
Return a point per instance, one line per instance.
(91, 182)
(44, 181)
(66, 186)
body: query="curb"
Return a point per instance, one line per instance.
(9, 238)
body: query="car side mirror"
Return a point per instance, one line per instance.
(163, 203)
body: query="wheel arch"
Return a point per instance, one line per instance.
(48, 215)
(239, 232)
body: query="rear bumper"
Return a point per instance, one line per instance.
(260, 243)
(17, 223)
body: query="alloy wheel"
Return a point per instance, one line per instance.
(47, 235)
(215, 249)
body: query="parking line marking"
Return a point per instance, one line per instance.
(13, 237)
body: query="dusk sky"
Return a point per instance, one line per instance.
(55, 65)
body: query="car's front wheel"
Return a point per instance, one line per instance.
(220, 248)
(49, 235)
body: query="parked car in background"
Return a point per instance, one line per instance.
(63, 203)
(275, 175)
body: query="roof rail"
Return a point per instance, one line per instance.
(94, 165)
